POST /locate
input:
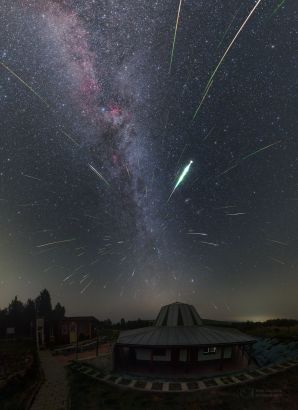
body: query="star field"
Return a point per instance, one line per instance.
(95, 134)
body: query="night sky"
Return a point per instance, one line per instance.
(115, 246)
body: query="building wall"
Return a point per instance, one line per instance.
(166, 358)
(216, 355)
(145, 354)
(83, 327)
(183, 355)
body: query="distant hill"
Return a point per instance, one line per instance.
(209, 322)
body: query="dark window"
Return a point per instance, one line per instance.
(209, 350)
(64, 330)
(159, 352)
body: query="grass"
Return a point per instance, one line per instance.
(281, 332)
(89, 394)
(175, 386)
(266, 371)
(109, 333)
(156, 386)
(242, 377)
(210, 383)
(16, 397)
(18, 346)
(124, 382)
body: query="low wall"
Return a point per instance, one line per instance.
(81, 347)
(104, 361)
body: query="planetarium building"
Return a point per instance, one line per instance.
(179, 344)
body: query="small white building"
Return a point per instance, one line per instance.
(178, 337)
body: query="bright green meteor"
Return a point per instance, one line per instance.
(181, 178)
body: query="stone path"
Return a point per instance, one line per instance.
(175, 386)
(53, 394)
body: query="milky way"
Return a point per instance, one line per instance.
(103, 66)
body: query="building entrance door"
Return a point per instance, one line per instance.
(175, 355)
(72, 333)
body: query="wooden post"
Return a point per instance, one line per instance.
(151, 360)
(249, 357)
(221, 357)
(242, 350)
(121, 355)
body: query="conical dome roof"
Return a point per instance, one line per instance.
(178, 314)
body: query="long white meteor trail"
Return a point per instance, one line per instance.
(195, 233)
(181, 178)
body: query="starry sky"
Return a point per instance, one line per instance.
(96, 129)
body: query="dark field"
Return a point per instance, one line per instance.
(16, 397)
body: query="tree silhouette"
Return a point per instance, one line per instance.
(15, 311)
(58, 311)
(29, 312)
(43, 303)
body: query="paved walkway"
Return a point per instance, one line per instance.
(102, 349)
(53, 393)
(172, 386)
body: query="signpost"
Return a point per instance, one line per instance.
(10, 331)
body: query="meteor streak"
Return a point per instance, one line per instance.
(194, 233)
(271, 240)
(97, 173)
(276, 260)
(175, 36)
(181, 178)
(94, 262)
(200, 104)
(194, 181)
(211, 78)
(165, 125)
(28, 87)
(41, 251)
(184, 87)
(35, 178)
(74, 141)
(275, 10)
(227, 29)
(66, 240)
(181, 154)
(214, 244)
(86, 286)
(239, 213)
(225, 171)
(208, 133)
(259, 150)
(226, 305)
